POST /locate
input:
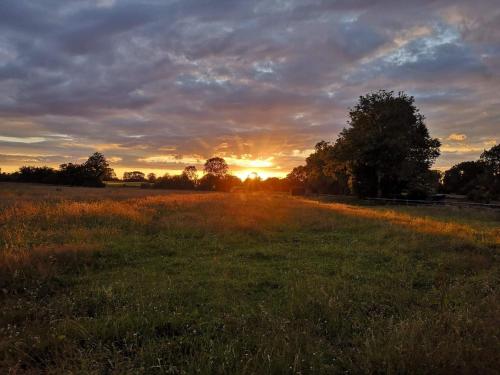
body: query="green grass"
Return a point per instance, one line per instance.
(244, 284)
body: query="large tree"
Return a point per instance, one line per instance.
(386, 145)
(325, 172)
(97, 167)
(216, 166)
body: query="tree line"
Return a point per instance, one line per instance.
(96, 171)
(216, 177)
(384, 151)
(479, 180)
(92, 173)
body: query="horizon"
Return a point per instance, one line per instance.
(157, 86)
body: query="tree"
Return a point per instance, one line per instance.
(227, 183)
(297, 177)
(151, 177)
(325, 172)
(386, 145)
(97, 167)
(208, 182)
(491, 180)
(191, 173)
(92, 173)
(479, 180)
(491, 159)
(216, 166)
(275, 184)
(462, 177)
(44, 175)
(134, 176)
(74, 175)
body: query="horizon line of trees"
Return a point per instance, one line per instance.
(479, 180)
(385, 151)
(216, 177)
(91, 173)
(96, 171)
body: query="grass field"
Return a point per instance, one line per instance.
(137, 281)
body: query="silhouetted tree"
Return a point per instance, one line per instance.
(6, 177)
(191, 173)
(181, 182)
(216, 166)
(208, 182)
(97, 168)
(227, 183)
(297, 177)
(275, 184)
(325, 172)
(44, 175)
(74, 175)
(479, 180)
(162, 182)
(387, 146)
(134, 176)
(91, 173)
(178, 182)
(216, 176)
(462, 177)
(151, 177)
(491, 160)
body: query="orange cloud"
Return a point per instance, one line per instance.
(457, 137)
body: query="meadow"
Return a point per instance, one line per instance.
(125, 280)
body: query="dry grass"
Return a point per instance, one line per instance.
(422, 224)
(133, 281)
(25, 269)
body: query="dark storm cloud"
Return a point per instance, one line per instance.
(164, 80)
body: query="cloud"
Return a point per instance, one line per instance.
(456, 151)
(114, 159)
(457, 137)
(21, 139)
(165, 83)
(171, 159)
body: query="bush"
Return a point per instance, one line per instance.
(479, 194)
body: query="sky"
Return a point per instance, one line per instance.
(157, 85)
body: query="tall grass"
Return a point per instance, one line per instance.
(242, 283)
(425, 223)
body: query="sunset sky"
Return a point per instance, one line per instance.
(157, 85)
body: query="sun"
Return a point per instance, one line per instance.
(263, 174)
(253, 176)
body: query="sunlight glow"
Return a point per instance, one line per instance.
(249, 163)
(262, 173)
(253, 176)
